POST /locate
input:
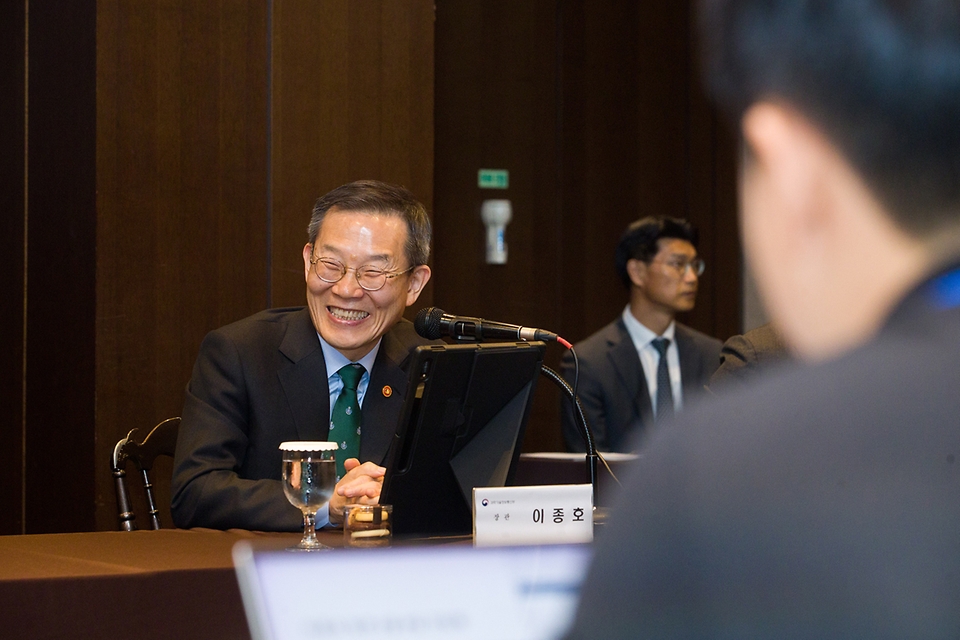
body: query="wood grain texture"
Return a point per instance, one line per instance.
(60, 249)
(497, 82)
(182, 208)
(352, 98)
(596, 110)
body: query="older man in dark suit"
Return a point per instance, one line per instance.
(823, 502)
(277, 375)
(643, 366)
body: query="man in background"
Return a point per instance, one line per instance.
(280, 375)
(825, 502)
(642, 367)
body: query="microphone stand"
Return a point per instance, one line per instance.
(585, 431)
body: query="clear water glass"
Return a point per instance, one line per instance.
(309, 478)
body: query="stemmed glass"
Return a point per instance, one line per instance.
(309, 478)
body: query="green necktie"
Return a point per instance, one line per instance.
(345, 421)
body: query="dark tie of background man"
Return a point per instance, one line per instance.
(345, 421)
(664, 389)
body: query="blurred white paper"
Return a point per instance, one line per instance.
(444, 592)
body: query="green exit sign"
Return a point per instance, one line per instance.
(493, 178)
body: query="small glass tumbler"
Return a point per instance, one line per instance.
(367, 525)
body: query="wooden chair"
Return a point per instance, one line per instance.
(161, 441)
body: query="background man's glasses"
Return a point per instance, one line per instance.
(681, 266)
(369, 278)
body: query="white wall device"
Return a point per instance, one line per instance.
(496, 215)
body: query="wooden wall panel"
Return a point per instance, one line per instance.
(182, 208)
(352, 98)
(496, 108)
(60, 249)
(713, 203)
(497, 82)
(639, 138)
(605, 99)
(12, 283)
(596, 110)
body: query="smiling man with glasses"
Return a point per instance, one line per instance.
(644, 366)
(332, 370)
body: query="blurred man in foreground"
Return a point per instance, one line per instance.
(824, 502)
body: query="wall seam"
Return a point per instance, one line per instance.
(269, 151)
(26, 219)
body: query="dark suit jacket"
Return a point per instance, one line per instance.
(823, 502)
(256, 383)
(613, 389)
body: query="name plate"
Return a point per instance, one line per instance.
(544, 514)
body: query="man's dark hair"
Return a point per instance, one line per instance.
(641, 240)
(373, 196)
(880, 78)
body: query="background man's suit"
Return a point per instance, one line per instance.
(822, 502)
(613, 389)
(257, 383)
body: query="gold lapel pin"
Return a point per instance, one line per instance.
(387, 391)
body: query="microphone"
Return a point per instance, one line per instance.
(433, 323)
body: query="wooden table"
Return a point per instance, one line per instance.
(171, 583)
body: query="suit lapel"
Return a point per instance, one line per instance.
(383, 400)
(304, 382)
(626, 362)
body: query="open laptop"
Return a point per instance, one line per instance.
(431, 592)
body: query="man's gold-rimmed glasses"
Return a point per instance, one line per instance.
(369, 278)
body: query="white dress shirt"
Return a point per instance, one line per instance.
(650, 358)
(334, 361)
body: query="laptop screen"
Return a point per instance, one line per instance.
(422, 592)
